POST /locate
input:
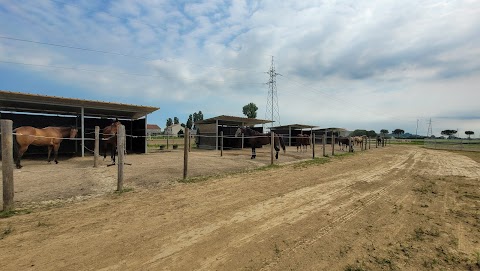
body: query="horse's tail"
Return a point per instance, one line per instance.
(282, 144)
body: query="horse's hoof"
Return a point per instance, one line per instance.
(56, 162)
(19, 166)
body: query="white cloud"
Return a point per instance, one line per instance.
(345, 63)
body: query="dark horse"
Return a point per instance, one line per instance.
(109, 137)
(257, 140)
(302, 142)
(345, 141)
(25, 136)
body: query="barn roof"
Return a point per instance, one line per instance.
(232, 120)
(293, 126)
(36, 103)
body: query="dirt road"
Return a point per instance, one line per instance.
(396, 208)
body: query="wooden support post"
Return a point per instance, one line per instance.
(272, 142)
(243, 137)
(185, 155)
(313, 145)
(324, 142)
(7, 164)
(368, 138)
(96, 150)
(221, 143)
(333, 144)
(121, 155)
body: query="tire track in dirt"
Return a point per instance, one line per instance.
(291, 208)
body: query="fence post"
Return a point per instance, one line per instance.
(221, 143)
(7, 164)
(313, 145)
(121, 154)
(168, 136)
(272, 142)
(368, 138)
(185, 154)
(324, 141)
(96, 150)
(333, 144)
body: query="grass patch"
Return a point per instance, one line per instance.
(315, 161)
(420, 233)
(269, 167)
(5, 214)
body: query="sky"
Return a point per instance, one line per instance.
(353, 64)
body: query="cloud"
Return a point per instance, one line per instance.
(390, 62)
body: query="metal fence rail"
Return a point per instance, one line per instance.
(453, 144)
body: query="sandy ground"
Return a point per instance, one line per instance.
(393, 208)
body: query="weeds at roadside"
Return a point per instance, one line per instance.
(5, 214)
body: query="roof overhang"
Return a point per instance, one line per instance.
(232, 120)
(294, 127)
(34, 103)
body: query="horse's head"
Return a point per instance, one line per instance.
(239, 131)
(73, 132)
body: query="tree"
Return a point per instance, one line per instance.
(448, 133)
(398, 132)
(169, 122)
(175, 120)
(384, 132)
(183, 125)
(358, 132)
(469, 133)
(190, 121)
(371, 134)
(250, 110)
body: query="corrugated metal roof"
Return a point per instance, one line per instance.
(232, 120)
(35, 103)
(293, 126)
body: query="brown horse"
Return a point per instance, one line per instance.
(110, 138)
(302, 142)
(49, 136)
(257, 140)
(345, 141)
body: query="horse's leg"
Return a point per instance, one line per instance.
(104, 150)
(21, 151)
(253, 153)
(55, 151)
(50, 147)
(277, 149)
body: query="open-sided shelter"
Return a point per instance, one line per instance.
(292, 130)
(39, 111)
(208, 131)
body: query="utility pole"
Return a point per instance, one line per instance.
(272, 111)
(416, 131)
(429, 132)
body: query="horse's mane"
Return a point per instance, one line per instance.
(251, 131)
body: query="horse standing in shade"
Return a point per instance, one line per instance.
(345, 141)
(257, 140)
(25, 136)
(109, 136)
(302, 141)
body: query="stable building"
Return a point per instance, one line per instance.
(42, 110)
(291, 131)
(208, 131)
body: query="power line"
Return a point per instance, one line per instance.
(119, 73)
(272, 110)
(121, 54)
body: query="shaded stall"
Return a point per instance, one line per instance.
(36, 110)
(291, 131)
(208, 131)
